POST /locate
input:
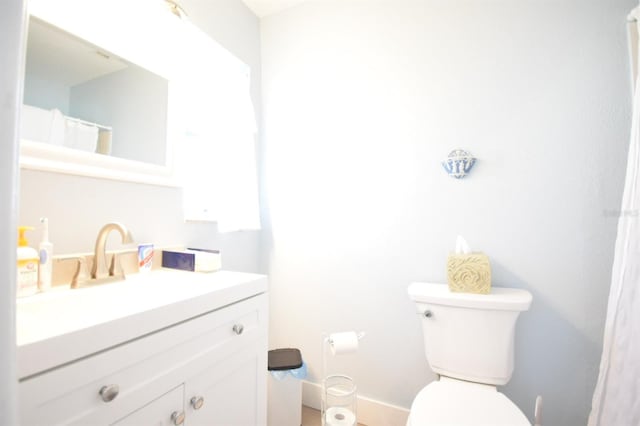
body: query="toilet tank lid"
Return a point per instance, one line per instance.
(500, 298)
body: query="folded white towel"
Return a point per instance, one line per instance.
(56, 132)
(80, 136)
(42, 125)
(35, 124)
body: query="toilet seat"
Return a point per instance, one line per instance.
(459, 403)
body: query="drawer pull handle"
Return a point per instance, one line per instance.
(108, 393)
(197, 402)
(238, 329)
(177, 417)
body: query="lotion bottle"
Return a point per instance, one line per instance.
(27, 265)
(45, 251)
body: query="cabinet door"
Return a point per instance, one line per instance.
(165, 411)
(230, 392)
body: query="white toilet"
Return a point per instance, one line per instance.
(469, 343)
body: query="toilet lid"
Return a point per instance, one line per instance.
(454, 402)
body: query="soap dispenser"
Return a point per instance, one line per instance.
(27, 265)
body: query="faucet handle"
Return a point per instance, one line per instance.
(116, 265)
(80, 274)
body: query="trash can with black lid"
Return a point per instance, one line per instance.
(287, 369)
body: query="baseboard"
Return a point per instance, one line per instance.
(370, 412)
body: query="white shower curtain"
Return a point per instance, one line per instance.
(616, 399)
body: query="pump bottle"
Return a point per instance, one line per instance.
(27, 265)
(46, 263)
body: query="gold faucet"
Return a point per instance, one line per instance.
(100, 254)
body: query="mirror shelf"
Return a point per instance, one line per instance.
(58, 159)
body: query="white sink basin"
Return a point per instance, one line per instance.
(64, 324)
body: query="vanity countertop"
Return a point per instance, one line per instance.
(63, 325)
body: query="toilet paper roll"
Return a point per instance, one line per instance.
(343, 343)
(338, 416)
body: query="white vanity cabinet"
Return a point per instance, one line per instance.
(208, 368)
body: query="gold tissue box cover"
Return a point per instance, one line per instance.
(469, 273)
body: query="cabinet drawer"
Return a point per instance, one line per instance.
(143, 369)
(158, 412)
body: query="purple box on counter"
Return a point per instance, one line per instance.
(191, 259)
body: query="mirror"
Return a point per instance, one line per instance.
(97, 90)
(82, 97)
(114, 87)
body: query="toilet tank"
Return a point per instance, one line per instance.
(469, 336)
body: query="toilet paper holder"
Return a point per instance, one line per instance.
(339, 343)
(339, 386)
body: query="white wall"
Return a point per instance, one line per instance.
(77, 207)
(12, 21)
(362, 100)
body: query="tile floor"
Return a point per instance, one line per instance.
(311, 417)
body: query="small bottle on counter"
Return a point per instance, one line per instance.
(45, 251)
(27, 265)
